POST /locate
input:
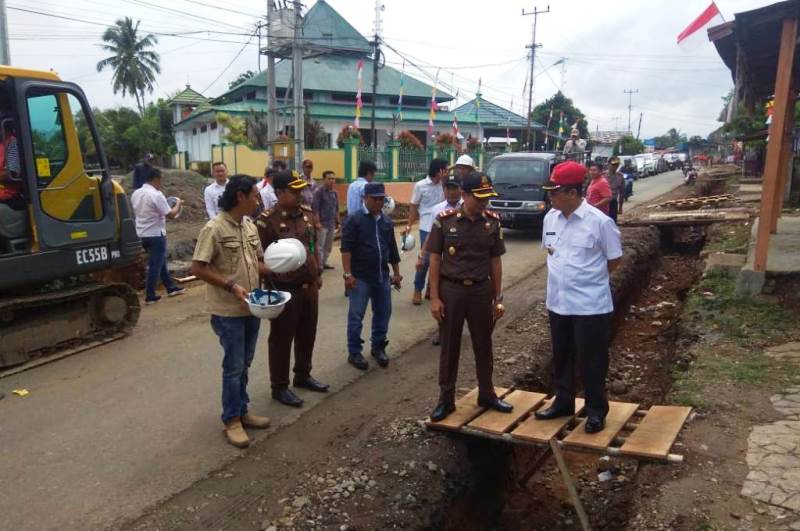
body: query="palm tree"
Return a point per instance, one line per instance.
(135, 66)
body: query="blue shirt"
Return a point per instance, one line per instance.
(355, 196)
(370, 241)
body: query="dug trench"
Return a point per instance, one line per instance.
(362, 459)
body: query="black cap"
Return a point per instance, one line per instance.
(478, 184)
(374, 190)
(286, 179)
(452, 181)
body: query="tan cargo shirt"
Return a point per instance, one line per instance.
(233, 251)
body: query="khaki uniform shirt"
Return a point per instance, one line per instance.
(276, 224)
(233, 251)
(467, 246)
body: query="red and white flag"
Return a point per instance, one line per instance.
(359, 102)
(696, 32)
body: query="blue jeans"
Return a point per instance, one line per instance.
(381, 297)
(238, 336)
(419, 277)
(156, 248)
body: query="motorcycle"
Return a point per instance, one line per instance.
(689, 176)
(629, 178)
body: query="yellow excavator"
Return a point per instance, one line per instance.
(67, 231)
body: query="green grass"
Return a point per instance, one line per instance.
(725, 237)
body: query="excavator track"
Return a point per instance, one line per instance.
(41, 327)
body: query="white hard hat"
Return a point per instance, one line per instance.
(388, 205)
(285, 255)
(465, 160)
(172, 201)
(408, 242)
(267, 304)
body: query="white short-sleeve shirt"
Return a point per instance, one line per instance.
(578, 251)
(211, 196)
(426, 196)
(150, 208)
(444, 205)
(268, 196)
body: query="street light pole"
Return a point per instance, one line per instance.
(532, 47)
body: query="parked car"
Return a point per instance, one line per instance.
(518, 179)
(645, 164)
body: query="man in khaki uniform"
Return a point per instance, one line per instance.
(228, 257)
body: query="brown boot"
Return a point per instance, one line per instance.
(235, 433)
(428, 293)
(416, 300)
(255, 421)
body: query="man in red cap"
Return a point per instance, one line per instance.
(583, 248)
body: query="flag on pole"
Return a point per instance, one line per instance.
(432, 114)
(478, 102)
(359, 103)
(695, 33)
(400, 96)
(560, 129)
(455, 119)
(547, 128)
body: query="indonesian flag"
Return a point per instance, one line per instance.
(695, 33)
(432, 114)
(455, 120)
(359, 103)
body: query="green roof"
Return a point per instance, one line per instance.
(493, 115)
(324, 27)
(189, 96)
(337, 73)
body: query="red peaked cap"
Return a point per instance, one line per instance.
(569, 173)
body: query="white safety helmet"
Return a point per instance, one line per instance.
(285, 255)
(408, 243)
(172, 201)
(388, 205)
(465, 160)
(267, 304)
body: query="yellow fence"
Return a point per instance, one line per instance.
(242, 159)
(326, 159)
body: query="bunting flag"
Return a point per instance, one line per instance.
(400, 97)
(455, 119)
(547, 129)
(359, 103)
(432, 114)
(478, 102)
(695, 33)
(560, 129)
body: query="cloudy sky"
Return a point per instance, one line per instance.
(609, 46)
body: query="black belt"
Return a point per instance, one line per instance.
(291, 287)
(465, 281)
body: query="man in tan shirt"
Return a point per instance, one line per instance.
(229, 258)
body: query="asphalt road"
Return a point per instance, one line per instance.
(106, 433)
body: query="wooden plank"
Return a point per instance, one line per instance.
(496, 422)
(544, 430)
(466, 409)
(654, 435)
(775, 145)
(618, 415)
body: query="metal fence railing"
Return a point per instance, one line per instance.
(413, 164)
(379, 156)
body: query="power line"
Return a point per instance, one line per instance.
(226, 8)
(235, 57)
(630, 93)
(157, 7)
(532, 47)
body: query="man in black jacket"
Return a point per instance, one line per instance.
(368, 247)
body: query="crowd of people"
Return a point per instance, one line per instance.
(458, 268)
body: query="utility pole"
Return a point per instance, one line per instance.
(376, 57)
(297, 65)
(532, 47)
(630, 93)
(5, 52)
(272, 122)
(616, 123)
(639, 130)
(563, 73)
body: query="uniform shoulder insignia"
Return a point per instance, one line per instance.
(267, 213)
(261, 223)
(447, 213)
(306, 208)
(492, 214)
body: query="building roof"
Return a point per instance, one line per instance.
(337, 73)
(189, 96)
(607, 137)
(493, 115)
(749, 46)
(324, 27)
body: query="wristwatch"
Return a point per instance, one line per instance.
(498, 298)
(346, 275)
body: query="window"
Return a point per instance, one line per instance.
(213, 125)
(203, 128)
(532, 172)
(47, 134)
(194, 131)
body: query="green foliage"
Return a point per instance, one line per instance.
(315, 135)
(446, 140)
(558, 102)
(237, 129)
(134, 63)
(241, 78)
(409, 140)
(672, 138)
(257, 130)
(628, 145)
(348, 131)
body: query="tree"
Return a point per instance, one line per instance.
(560, 103)
(241, 78)
(349, 131)
(237, 129)
(315, 135)
(134, 64)
(671, 139)
(409, 140)
(628, 145)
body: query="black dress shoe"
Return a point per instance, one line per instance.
(358, 361)
(496, 404)
(594, 424)
(442, 410)
(287, 397)
(312, 384)
(552, 412)
(379, 353)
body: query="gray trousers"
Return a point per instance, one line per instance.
(325, 244)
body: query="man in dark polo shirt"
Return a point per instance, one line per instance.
(466, 278)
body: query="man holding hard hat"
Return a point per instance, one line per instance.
(228, 258)
(297, 323)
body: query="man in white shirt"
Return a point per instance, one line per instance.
(355, 191)
(426, 195)
(583, 248)
(214, 190)
(151, 210)
(265, 189)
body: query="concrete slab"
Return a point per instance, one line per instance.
(726, 263)
(750, 189)
(784, 247)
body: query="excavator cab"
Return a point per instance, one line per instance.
(65, 226)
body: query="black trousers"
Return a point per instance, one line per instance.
(581, 338)
(613, 207)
